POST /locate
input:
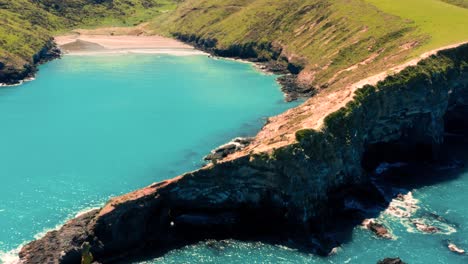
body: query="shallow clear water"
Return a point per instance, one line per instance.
(98, 126)
(93, 127)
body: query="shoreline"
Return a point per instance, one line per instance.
(109, 44)
(172, 52)
(176, 199)
(103, 42)
(324, 103)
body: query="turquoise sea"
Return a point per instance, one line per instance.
(92, 127)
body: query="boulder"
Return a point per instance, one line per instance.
(391, 261)
(377, 228)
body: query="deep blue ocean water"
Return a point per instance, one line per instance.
(93, 127)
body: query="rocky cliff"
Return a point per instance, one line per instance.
(11, 74)
(286, 192)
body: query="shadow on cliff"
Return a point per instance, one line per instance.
(349, 207)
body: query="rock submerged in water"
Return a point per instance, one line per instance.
(391, 261)
(455, 248)
(229, 148)
(426, 228)
(377, 228)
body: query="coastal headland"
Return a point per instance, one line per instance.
(294, 187)
(383, 83)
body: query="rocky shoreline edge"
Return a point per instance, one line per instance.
(293, 193)
(274, 63)
(286, 70)
(10, 76)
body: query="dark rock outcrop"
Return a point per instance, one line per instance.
(378, 229)
(286, 192)
(391, 261)
(229, 148)
(10, 74)
(268, 56)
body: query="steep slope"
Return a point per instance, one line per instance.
(27, 26)
(327, 43)
(460, 3)
(294, 190)
(445, 23)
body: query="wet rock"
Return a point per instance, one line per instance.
(454, 248)
(229, 148)
(64, 245)
(391, 261)
(426, 228)
(334, 251)
(283, 193)
(293, 90)
(377, 228)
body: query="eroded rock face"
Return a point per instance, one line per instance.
(13, 75)
(62, 246)
(284, 192)
(276, 62)
(227, 149)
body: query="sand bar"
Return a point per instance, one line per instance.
(81, 44)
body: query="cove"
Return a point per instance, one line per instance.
(92, 127)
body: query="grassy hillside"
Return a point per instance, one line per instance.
(335, 41)
(460, 3)
(27, 25)
(330, 42)
(446, 23)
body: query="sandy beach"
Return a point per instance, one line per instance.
(88, 44)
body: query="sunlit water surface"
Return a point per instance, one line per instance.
(93, 127)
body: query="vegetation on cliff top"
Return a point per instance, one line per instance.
(332, 43)
(335, 42)
(460, 3)
(445, 63)
(350, 125)
(445, 23)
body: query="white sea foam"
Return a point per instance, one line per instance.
(11, 85)
(174, 52)
(87, 210)
(404, 206)
(11, 257)
(417, 225)
(21, 82)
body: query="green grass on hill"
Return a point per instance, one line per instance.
(26, 25)
(328, 37)
(460, 3)
(445, 23)
(336, 41)
(92, 13)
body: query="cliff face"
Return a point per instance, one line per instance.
(287, 191)
(12, 74)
